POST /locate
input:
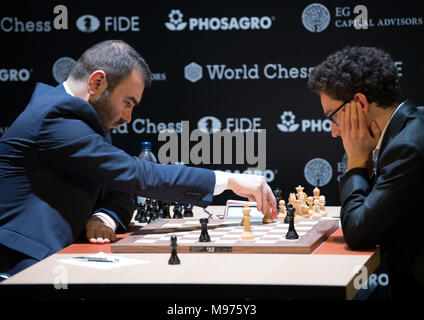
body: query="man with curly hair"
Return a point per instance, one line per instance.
(383, 138)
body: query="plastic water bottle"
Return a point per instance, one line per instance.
(146, 154)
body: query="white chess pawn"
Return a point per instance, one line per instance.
(322, 209)
(315, 210)
(316, 192)
(282, 214)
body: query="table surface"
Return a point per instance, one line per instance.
(328, 272)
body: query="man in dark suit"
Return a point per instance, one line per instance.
(383, 138)
(60, 174)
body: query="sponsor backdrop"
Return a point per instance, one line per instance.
(231, 66)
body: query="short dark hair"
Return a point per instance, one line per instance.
(368, 70)
(116, 58)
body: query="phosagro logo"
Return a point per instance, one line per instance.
(288, 124)
(176, 23)
(15, 75)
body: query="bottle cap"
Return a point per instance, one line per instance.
(146, 145)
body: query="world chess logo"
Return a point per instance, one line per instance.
(193, 72)
(209, 124)
(88, 23)
(175, 21)
(316, 17)
(287, 122)
(318, 172)
(62, 68)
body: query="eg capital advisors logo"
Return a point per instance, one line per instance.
(316, 17)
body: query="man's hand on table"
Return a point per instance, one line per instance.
(98, 232)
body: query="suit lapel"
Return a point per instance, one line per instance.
(396, 124)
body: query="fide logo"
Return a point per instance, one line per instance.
(209, 124)
(62, 68)
(287, 122)
(193, 72)
(88, 23)
(318, 172)
(315, 17)
(175, 21)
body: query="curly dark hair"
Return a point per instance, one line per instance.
(368, 70)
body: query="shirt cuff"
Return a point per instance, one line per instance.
(107, 220)
(221, 182)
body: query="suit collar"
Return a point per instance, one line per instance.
(397, 122)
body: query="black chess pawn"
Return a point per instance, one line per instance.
(290, 208)
(188, 211)
(143, 216)
(291, 233)
(154, 208)
(138, 207)
(178, 211)
(277, 193)
(151, 213)
(165, 211)
(204, 236)
(174, 258)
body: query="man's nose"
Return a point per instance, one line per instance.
(335, 131)
(126, 115)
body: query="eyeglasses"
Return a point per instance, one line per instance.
(331, 116)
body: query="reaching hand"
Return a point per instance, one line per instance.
(358, 140)
(254, 188)
(97, 232)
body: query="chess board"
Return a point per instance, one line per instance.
(226, 237)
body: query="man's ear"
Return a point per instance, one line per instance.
(362, 99)
(97, 83)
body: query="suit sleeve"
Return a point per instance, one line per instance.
(72, 147)
(372, 214)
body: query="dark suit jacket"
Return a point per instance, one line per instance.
(389, 210)
(57, 168)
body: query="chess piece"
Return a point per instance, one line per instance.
(292, 199)
(267, 217)
(291, 233)
(155, 208)
(150, 212)
(204, 236)
(177, 211)
(277, 193)
(142, 218)
(322, 209)
(174, 258)
(165, 207)
(282, 210)
(188, 211)
(289, 209)
(315, 210)
(138, 207)
(247, 231)
(316, 192)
